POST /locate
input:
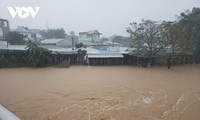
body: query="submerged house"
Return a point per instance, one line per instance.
(108, 56)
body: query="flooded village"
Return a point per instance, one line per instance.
(54, 73)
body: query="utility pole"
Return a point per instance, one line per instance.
(72, 35)
(72, 43)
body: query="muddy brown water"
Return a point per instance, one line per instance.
(102, 93)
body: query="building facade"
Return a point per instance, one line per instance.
(4, 29)
(24, 31)
(92, 36)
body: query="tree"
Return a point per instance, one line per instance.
(37, 56)
(148, 37)
(103, 39)
(190, 23)
(125, 41)
(174, 35)
(15, 38)
(80, 45)
(175, 38)
(197, 52)
(53, 33)
(81, 54)
(117, 38)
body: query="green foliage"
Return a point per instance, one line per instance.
(190, 23)
(126, 41)
(80, 56)
(148, 37)
(37, 56)
(80, 45)
(173, 59)
(103, 39)
(64, 64)
(174, 35)
(12, 65)
(82, 52)
(183, 36)
(15, 38)
(53, 33)
(6, 61)
(197, 52)
(117, 38)
(3, 62)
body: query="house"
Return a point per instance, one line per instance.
(57, 42)
(36, 34)
(92, 36)
(26, 32)
(4, 29)
(69, 37)
(50, 41)
(64, 43)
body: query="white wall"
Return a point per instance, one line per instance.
(96, 37)
(89, 38)
(1, 32)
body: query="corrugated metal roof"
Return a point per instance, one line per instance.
(105, 56)
(94, 32)
(14, 47)
(90, 51)
(22, 30)
(64, 50)
(51, 41)
(64, 43)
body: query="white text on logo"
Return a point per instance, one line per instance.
(23, 12)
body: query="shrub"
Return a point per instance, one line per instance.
(38, 56)
(64, 64)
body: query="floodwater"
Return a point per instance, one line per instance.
(102, 93)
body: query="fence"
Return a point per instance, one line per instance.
(21, 57)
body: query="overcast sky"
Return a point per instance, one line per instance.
(108, 16)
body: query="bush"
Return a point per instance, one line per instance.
(64, 64)
(3, 62)
(38, 56)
